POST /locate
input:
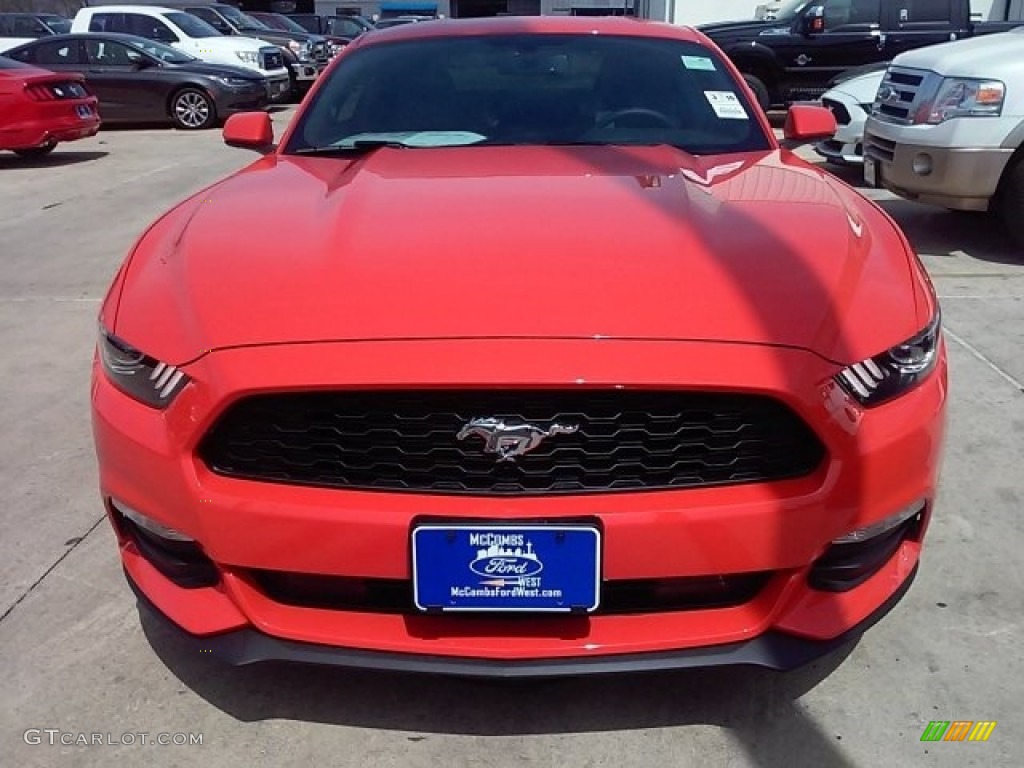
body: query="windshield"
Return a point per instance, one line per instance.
(162, 52)
(531, 89)
(191, 25)
(240, 19)
(280, 21)
(57, 25)
(790, 9)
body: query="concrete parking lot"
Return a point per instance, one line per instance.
(75, 657)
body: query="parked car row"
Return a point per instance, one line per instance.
(288, 56)
(941, 125)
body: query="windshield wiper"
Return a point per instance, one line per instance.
(357, 147)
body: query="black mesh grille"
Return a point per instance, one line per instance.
(407, 441)
(342, 593)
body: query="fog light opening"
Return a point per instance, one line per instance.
(882, 526)
(922, 164)
(176, 556)
(148, 523)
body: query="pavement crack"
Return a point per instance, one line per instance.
(987, 361)
(75, 542)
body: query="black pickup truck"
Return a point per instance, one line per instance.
(793, 56)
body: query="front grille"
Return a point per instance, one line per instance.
(408, 441)
(271, 58)
(395, 596)
(879, 148)
(320, 52)
(898, 95)
(838, 110)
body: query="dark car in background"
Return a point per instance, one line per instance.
(278, 21)
(342, 25)
(306, 55)
(18, 28)
(141, 80)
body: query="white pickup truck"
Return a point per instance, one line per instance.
(947, 127)
(189, 34)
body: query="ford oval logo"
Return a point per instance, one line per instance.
(516, 566)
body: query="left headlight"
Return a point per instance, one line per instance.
(963, 97)
(138, 375)
(302, 50)
(896, 371)
(233, 82)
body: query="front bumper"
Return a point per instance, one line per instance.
(241, 99)
(773, 650)
(279, 88)
(950, 176)
(305, 73)
(879, 461)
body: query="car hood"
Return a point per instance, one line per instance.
(999, 57)
(199, 67)
(531, 242)
(862, 89)
(230, 44)
(730, 31)
(280, 36)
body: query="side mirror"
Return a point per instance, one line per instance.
(806, 123)
(813, 20)
(250, 130)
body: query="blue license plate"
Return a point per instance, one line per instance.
(539, 568)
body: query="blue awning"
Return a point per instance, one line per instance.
(409, 6)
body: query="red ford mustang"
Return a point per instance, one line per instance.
(38, 109)
(562, 366)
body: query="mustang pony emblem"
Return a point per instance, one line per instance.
(509, 440)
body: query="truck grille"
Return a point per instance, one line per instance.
(879, 148)
(408, 441)
(320, 52)
(838, 110)
(898, 95)
(271, 58)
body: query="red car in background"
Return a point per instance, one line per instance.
(527, 351)
(40, 109)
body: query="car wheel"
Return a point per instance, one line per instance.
(36, 151)
(1011, 202)
(192, 110)
(764, 98)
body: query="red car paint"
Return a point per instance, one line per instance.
(34, 116)
(496, 268)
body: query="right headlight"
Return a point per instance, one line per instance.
(249, 57)
(138, 375)
(234, 82)
(962, 97)
(895, 371)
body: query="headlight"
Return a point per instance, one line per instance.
(137, 374)
(962, 97)
(302, 50)
(895, 371)
(249, 57)
(234, 82)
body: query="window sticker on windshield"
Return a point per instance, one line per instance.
(699, 62)
(726, 105)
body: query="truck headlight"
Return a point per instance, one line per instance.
(963, 97)
(895, 371)
(302, 50)
(249, 57)
(138, 375)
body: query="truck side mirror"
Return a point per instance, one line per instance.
(813, 20)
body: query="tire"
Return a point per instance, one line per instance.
(761, 92)
(1010, 205)
(193, 110)
(33, 152)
